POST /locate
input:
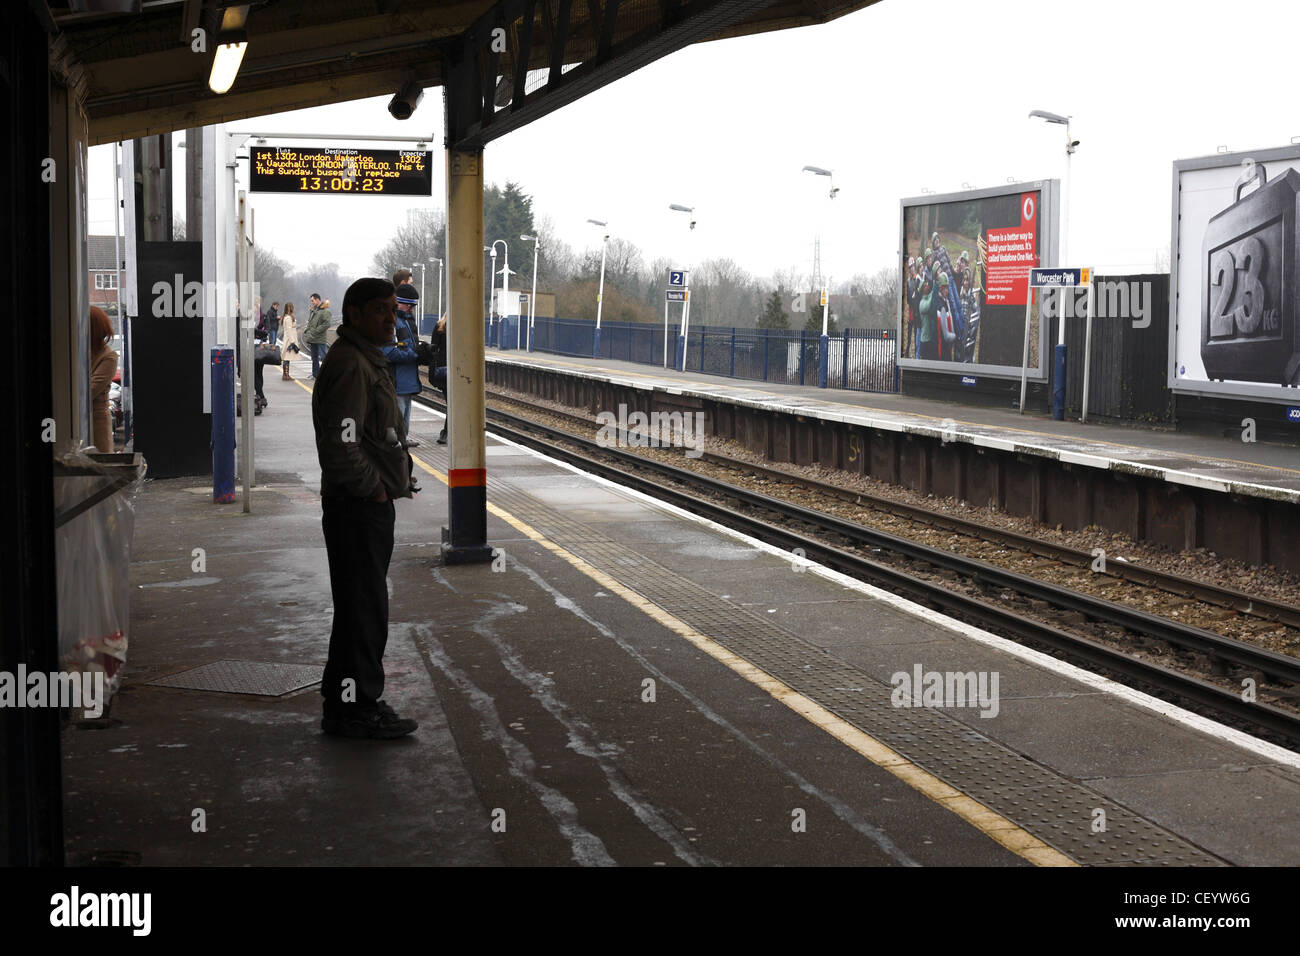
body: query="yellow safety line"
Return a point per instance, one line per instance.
(955, 421)
(989, 822)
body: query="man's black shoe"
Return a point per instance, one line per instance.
(377, 722)
(442, 437)
(412, 442)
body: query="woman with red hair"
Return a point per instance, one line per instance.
(103, 366)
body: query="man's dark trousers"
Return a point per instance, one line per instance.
(359, 542)
(317, 356)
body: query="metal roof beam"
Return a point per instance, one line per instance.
(468, 99)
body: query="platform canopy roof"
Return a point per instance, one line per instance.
(508, 61)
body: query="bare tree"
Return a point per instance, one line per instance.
(557, 263)
(271, 273)
(419, 240)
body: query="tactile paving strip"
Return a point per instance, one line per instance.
(1057, 810)
(245, 677)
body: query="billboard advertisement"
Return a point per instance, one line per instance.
(966, 259)
(1234, 326)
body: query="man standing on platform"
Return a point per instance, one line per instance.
(364, 466)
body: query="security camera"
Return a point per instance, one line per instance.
(405, 100)
(692, 223)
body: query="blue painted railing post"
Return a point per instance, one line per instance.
(844, 354)
(803, 351)
(733, 352)
(1058, 383)
(223, 424)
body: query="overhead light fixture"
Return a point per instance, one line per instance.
(226, 60)
(1050, 117)
(232, 41)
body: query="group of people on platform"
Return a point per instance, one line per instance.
(280, 331)
(943, 305)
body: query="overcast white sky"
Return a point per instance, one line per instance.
(897, 98)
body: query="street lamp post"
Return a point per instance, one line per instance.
(505, 284)
(420, 266)
(439, 315)
(493, 333)
(1058, 365)
(600, 292)
(823, 351)
(532, 299)
(683, 336)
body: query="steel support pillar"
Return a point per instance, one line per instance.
(465, 539)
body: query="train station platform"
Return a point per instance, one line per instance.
(1228, 465)
(626, 684)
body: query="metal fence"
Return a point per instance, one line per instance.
(861, 359)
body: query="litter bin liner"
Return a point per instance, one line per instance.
(94, 524)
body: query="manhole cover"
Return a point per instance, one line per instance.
(265, 477)
(245, 677)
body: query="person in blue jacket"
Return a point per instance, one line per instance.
(403, 356)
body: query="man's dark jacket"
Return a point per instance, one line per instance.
(354, 386)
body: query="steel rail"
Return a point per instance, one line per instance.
(1239, 601)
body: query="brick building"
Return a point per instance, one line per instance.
(102, 278)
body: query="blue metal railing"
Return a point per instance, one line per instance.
(859, 359)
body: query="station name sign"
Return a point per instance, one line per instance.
(360, 172)
(1039, 278)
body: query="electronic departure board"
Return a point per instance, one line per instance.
(340, 170)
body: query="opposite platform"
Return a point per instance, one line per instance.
(1257, 469)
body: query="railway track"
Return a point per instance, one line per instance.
(1251, 605)
(1004, 602)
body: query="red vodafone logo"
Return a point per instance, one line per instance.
(1027, 209)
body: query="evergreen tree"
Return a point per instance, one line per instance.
(508, 214)
(774, 316)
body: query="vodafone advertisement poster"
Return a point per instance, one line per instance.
(1235, 327)
(966, 262)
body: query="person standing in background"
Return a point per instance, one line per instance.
(289, 340)
(319, 321)
(438, 370)
(403, 358)
(272, 323)
(103, 366)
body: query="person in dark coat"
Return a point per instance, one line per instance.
(364, 467)
(438, 369)
(273, 323)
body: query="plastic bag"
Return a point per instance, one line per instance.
(93, 554)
